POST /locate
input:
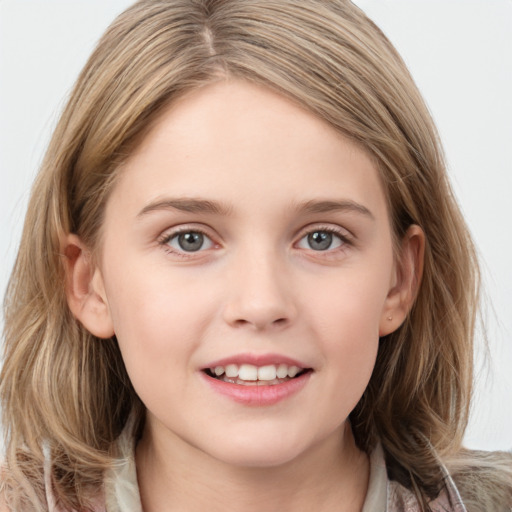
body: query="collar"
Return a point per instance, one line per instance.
(383, 495)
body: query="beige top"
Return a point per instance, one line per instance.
(384, 495)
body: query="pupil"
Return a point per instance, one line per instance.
(191, 241)
(320, 240)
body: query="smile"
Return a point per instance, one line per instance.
(251, 375)
(256, 380)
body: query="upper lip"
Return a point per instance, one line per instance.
(257, 360)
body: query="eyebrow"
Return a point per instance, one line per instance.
(334, 206)
(192, 205)
(189, 205)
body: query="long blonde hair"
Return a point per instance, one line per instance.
(66, 390)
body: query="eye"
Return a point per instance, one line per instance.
(321, 240)
(189, 241)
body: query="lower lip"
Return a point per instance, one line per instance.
(259, 395)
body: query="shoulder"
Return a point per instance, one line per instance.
(3, 504)
(3, 499)
(474, 481)
(484, 480)
(17, 493)
(401, 499)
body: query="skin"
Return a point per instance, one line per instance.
(256, 286)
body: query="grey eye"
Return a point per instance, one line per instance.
(320, 241)
(190, 241)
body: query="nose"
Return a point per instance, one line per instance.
(259, 294)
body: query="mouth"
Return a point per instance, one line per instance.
(252, 375)
(257, 380)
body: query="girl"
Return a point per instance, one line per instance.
(243, 280)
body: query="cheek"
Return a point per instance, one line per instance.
(153, 299)
(159, 321)
(347, 318)
(351, 304)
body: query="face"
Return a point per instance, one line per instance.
(247, 270)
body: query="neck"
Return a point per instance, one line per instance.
(330, 477)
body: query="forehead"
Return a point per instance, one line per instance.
(240, 142)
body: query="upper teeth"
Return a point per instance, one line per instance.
(250, 372)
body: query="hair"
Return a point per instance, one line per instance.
(65, 391)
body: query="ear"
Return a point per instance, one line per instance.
(408, 273)
(85, 291)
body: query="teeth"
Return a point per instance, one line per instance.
(232, 370)
(282, 371)
(249, 372)
(267, 372)
(292, 371)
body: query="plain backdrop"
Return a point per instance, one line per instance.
(460, 53)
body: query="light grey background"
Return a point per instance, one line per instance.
(460, 53)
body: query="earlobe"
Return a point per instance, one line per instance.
(409, 271)
(85, 291)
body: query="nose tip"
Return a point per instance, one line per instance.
(260, 298)
(260, 318)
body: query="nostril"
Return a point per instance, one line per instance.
(259, 312)
(279, 322)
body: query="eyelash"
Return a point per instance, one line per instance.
(169, 236)
(342, 235)
(344, 238)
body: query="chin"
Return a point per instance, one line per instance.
(259, 451)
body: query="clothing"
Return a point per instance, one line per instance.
(384, 495)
